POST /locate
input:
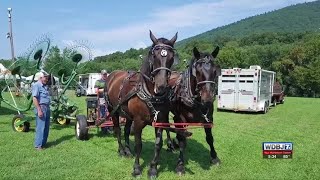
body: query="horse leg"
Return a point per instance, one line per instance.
(214, 158)
(138, 148)
(180, 169)
(117, 131)
(158, 145)
(169, 142)
(127, 128)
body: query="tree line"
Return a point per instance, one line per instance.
(295, 57)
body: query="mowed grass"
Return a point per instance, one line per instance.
(238, 141)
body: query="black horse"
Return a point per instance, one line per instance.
(193, 99)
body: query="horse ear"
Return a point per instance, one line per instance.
(215, 52)
(153, 38)
(196, 53)
(173, 40)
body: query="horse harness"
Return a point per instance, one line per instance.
(187, 97)
(142, 92)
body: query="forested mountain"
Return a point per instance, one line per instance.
(286, 41)
(295, 18)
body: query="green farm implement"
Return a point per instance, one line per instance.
(19, 96)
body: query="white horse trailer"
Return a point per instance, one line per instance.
(87, 82)
(245, 89)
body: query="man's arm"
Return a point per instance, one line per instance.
(36, 103)
(35, 94)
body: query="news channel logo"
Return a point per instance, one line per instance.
(277, 150)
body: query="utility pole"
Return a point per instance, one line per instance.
(9, 34)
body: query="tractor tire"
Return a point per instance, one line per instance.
(63, 121)
(25, 127)
(81, 128)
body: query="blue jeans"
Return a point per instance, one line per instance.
(103, 111)
(42, 126)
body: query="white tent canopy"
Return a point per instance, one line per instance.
(2, 68)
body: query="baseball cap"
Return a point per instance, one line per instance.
(103, 71)
(43, 74)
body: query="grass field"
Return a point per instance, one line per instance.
(238, 141)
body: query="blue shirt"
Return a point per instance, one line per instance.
(40, 91)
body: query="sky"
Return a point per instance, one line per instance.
(109, 26)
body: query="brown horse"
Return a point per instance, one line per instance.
(193, 99)
(142, 97)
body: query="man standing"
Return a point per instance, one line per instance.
(101, 90)
(41, 101)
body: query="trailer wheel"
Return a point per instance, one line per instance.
(266, 108)
(63, 121)
(21, 128)
(81, 129)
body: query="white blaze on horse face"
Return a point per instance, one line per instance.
(164, 53)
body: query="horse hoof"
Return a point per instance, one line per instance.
(136, 173)
(121, 153)
(215, 161)
(180, 170)
(152, 173)
(128, 153)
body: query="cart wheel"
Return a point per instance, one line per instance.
(21, 128)
(63, 121)
(81, 129)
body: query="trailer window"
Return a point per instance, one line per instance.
(249, 81)
(246, 75)
(228, 81)
(228, 75)
(242, 81)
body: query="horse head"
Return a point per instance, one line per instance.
(205, 70)
(159, 61)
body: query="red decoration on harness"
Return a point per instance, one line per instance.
(182, 125)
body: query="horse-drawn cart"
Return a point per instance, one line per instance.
(91, 120)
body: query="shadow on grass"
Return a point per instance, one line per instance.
(58, 126)
(7, 111)
(242, 112)
(59, 141)
(195, 152)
